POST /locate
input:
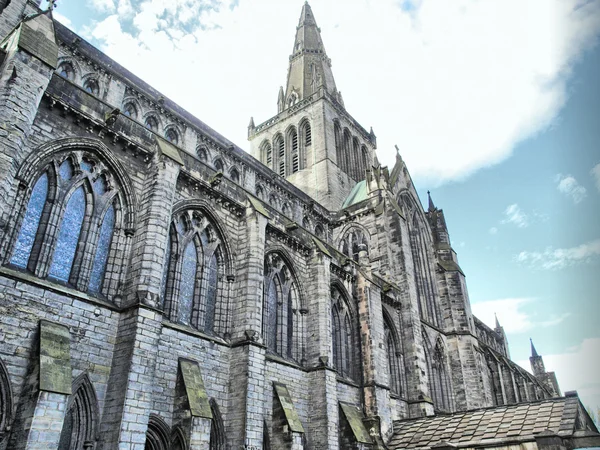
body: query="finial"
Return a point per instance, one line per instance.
(534, 353)
(251, 124)
(432, 208)
(497, 322)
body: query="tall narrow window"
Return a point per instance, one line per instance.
(280, 147)
(295, 155)
(101, 258)
(31, 222)
(193, 269)
(307, 134)
(282, 322)
(188, 282)
(68, 236)
(343, 336)
(217, 430)
(393, 350)
(79, 426)
(68, 225)
(211, 292)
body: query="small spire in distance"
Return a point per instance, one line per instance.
(534, 353)
(432, 208)
(251, 124)
(497, 322)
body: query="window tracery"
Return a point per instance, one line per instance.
(69, 223)
(151, 123)
(6, 404)
(130, 110)
(283, 322)
(353, 241)
(344, 336)
(172, 136)
(217, 429)
(91, 85)
(157, 435)
(193, 271)
(65, 70)
(393, 346)
(439, 380)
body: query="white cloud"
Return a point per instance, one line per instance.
(577, 369)
(515, 216)
(102, 5)
(561, 257)
(568, 185)
(493, 230)
(512, 314)
(455, 84)
(62, 19)
(596, 174)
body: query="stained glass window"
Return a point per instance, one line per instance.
(31, 222)
(271, 317)
(66, 170)
(188, 282)
(101, 258)
(211, 293)
(100, 185)
(87, 165)
(68, 236)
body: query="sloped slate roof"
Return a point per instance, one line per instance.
(490, 425)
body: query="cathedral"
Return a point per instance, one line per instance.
(161, 288)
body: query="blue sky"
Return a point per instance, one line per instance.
(495, 107)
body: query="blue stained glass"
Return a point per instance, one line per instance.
(211, 293)
(66, 170)
(188, 282)
(68, 236)
(31, 222)
(100, 186)
(271, 335)
(101, 258)
(87, 165)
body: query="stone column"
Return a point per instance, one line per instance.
(323, 403)
(377, 398)
(24, 77)
(247, 385)
(129, 395)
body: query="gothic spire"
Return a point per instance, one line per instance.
(534, 353)
(310, 68)
(432, 208)
(497, 322)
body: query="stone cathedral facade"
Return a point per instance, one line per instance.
(160, 288)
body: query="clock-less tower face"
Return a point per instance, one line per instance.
(312, 141)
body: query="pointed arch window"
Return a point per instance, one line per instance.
(65, 69)
(192, 289)
(439, 381)
(151, 123)
(69, 224)
(393, 347)
(130, 110)
(279, 146)
(283, 320)
(172, 136)
(79, 426)
(202, 153)
(344, 340)
(353, 241)
(295, 156)
(158, 434)
(234, 175)
(420, 245)
(91, 86)
(217, 429)
(219, 165)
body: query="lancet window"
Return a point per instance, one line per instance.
(193, 287)
(353, 241)
(79, 426)
(71, 225)
(393, 347)
(158, 434)
(217, 429)
(420, 245)
(283, 318)
(295, 154)
(344, 339)
(439, 380)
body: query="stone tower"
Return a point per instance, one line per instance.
(313, 141)
(539, 371)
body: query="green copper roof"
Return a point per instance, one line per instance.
(357, 195)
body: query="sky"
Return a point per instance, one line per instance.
(494, 106)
